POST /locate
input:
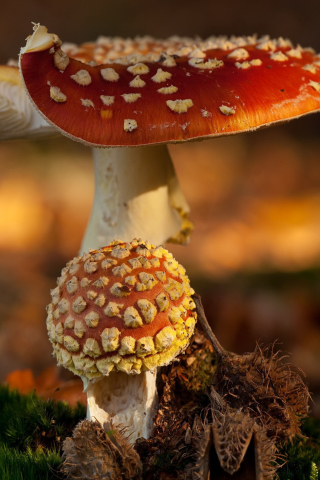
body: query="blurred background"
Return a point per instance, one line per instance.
(255, 198)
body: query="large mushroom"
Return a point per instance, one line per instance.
(117, 314)
(145, 93)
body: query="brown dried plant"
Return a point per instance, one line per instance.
(100, 453)
(253, 396)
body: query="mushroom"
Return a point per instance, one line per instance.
(18, 118)
(146, 93)
(137, 191)
(117, 314)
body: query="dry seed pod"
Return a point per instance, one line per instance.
(254, 395)
(96, 452)
(117, 314)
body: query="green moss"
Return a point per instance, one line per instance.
(303, 455)
(31, 434)
(15, 465)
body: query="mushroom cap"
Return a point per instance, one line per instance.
(148, 91)
(125, 307)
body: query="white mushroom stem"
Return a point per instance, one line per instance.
(137, 195)
(128, 400)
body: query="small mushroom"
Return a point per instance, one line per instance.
(146, 93)
(117, 314)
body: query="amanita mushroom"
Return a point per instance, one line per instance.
(117, 314)
(146, 92)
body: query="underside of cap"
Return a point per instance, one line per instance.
(168, 91)
(18, 119)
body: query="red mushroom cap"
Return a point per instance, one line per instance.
(148, 91)
(124, 307)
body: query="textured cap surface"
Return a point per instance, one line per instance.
(147, 91)
(124, 307)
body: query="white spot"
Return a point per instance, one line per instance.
(138, 69)
(315, 85)
(184, 51)
(101, 282)
(132, 318)
(113, 309)
(108, 262)
(119, 290)
(180, 106)
(266, 45)
(82, 77)
(61, 60)
(92, 319)
(107, 99)
(101, 300)
(87, 103)
(310, 68)
(169, 62)
(184, 126)
(168, 90)
(91, 294)
(110, 339)
(161, 76)
(90, 267)
(79, 305)
(109, 74)
(211, 63)
(71, 344)
(148, 280)
(120, 252)
(85, 282)
(72, 285)
(91, 348)
(57, 95)
(256, 62)
(243, 65)
(127, 345)
(131, 97)
(137, 82)
(227, 110)
(148, 310)
(121, 270)
(162, 301)
(197, 53)
(205, 113)
(63, 305)
(279, 57)
(239, 54)
(294, 53)
(129, 125)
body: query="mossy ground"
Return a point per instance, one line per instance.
(31, 434)
(303, 455)
(32, 431)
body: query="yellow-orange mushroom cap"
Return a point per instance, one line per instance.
(125, 307)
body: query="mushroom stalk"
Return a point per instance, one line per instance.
(127, 400)
(137, 194)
